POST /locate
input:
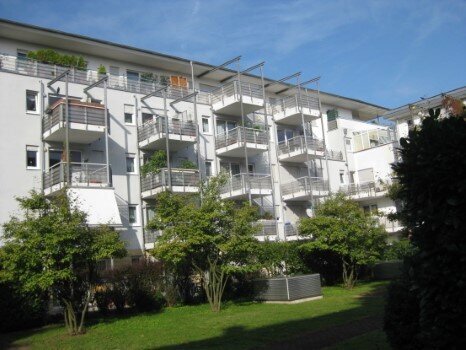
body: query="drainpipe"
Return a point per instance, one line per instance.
(107, 162)
(198, 142)
(136, 120)
(67, 133)
(167, 143)
(323, 137)
(41, 150)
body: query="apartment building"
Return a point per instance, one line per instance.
(284, 144)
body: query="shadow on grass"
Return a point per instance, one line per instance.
(310, 333)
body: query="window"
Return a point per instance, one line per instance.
(147, 117)
(342, 176)
(32, 157)
(348, 144)
(251, 168)
(179, 81)
(235, 168)
(115, 71)
(132, 214)
(31, 101)
(130, 168)
(224, 126)
(56, 156)
(22, 55)
(208, 168)
(205, 125)
(132, 76)
(129, 114)
(370, 209)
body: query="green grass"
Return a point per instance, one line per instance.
(374, 340)
(237, 326)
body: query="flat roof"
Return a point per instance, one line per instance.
(86, 45)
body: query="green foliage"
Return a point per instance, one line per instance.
(341, 227)
(149, 77)
(213, 236)
(281, 258)
(156, 162)
(52, 249)
(20, 310)
(187, 164)
(102, 70)
(433, 192)
(398, 250)
(53, 57)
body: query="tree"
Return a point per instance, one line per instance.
(341, 227)
(52, 249)
(432, 177)
(213, 236)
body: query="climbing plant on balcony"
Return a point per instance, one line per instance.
(53, 57)
(187, 164)
(155, 163)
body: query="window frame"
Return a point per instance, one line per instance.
(133, 119)
(36, 97)
(133, 157)
(32, 148)
(209, 129)
(208, 167)
(136, 215)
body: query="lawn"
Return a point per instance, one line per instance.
(237, 326)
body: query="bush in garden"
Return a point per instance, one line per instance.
(433, 190)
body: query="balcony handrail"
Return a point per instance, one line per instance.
(297, 143)
(233, 88)
(306, 184)
(87, 76)
(157, 127)
(267, 228)
(362, 188)
(179, 177)
(247, 181)
(297, 101)
(241, 134)
(80, 174)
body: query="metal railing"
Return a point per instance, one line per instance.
(393, 225)
(249, 91)
(363, 189)
(297, 103)
(123, 82)
(267, 228)
(290, 230)
(298, 143)
(306, 184)
(332, 125)
(157, 127)
(334, 155)
(81, 174)
(77, 113)
(246, 182)
(150, 236)
(239, 135)
(179, 177)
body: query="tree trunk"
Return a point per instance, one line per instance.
(349, 274)
(214, 283)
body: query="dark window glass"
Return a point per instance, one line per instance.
(32, 159)
(31, 101)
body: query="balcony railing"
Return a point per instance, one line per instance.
(363, 189)
(245, 182)
(78, 112)
(305, 184)
(334, 155)
(158, 127)
(390, 225)
(239, 135)
(296, 102)
(179, 177)
(298, 144)
(291, 230)
(267, 228)
(248, 92)
(81, 174)
(50, 71)
(151, 236)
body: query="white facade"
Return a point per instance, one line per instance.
(284, 158)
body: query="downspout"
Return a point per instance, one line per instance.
(107, 162)
(198, 142)
(167, 143)
(42, 146)
(136, 117)
(323, 137)
(67, 132)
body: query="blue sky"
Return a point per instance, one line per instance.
(386, 52)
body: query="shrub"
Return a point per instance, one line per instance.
(398, 250)
(102, 70)
(20, 310)
(433, 192)
(53, 57)
(147, 299)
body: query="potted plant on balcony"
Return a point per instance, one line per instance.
(155, 163)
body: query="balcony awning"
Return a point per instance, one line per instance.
(98, 203)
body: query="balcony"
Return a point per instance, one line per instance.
(391, 226)
(233, 142)
(240, 185)
(364, 190)
(86, 122)
(227, 98)
(152, 134)
(288, 111)
(81, 175)
(182, 181)
(33, 68)
(150, 237)
(298, 150)
(304, 189)
(268, 228)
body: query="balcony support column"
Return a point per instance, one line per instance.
(167, 143)
(67, 132)
(323, 137)
(107, 162)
